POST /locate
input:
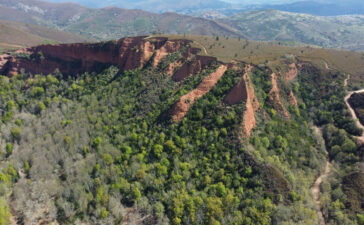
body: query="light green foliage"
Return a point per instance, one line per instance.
(157, 150)
(105, 141)
(36, 92)
(15, 133)
(4, 213)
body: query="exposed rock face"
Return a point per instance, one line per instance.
(165, 50)
(71, 59)
(195, 66)
(293, 99)
(181, 107)
(172, 67)
(274, 97)
(243, 91)
(292, 72)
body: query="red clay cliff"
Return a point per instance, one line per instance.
(72, 59)
(243, 91)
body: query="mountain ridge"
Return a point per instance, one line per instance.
(113, 128)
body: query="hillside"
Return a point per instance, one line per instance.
(111, 23)
(157, 6)
(168, 130)
(107, 23)
(344, 32)
(15, 35)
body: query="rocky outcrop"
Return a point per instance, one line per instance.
(165, 50)
(292, 72)
(71, 59)
(292, 99)
(181, 107)
(243, 91)
(195, 66)
(274, 97)
(169, 70)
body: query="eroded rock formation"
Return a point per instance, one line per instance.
(181, 107)
(292, 99)
(292, 72)
(243, 91)
(71, 59)
(275, 98)
(195, 66)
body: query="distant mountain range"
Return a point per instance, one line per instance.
(333, 8)
(226, 7)
(346, 32)
(107, 23)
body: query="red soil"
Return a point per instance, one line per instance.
(194, 67)
(181, 107)
(166, 49)
(292, 99)
(292, 72)
(171, 67)
(71, 59)
(274, 97)
(243, 91)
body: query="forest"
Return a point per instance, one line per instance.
(103, 149)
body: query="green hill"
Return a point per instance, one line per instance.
(152, 130)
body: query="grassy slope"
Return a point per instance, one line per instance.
(17, 35)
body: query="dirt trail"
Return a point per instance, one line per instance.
(353, 114)
(316, 186)
(346, 80)
(327, 66)
(203, 47)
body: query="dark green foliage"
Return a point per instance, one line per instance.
(191, 172)
(101, 143)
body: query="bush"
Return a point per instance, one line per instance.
(9, 149)
(36, 92)
(15, 133)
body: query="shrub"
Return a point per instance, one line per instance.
(36, 92)
(9, 149)
(15, 133)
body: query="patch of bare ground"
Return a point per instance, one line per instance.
(316, 191)
(292, 99)
(360, 139)
(292, 72)
(243, 91)
(181, 107)
(275, 98)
